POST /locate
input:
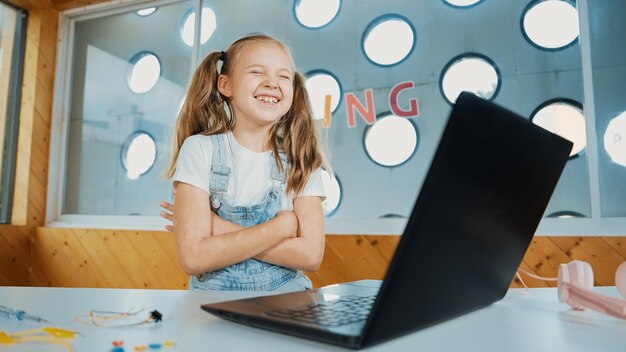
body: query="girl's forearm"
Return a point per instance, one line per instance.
(215, 252)
(292, 253)
(303, 253)
(296, 253)
(307, 250)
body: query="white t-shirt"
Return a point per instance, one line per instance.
(250, 177)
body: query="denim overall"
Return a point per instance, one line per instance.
(251, 274)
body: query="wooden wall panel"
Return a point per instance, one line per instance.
(147, 259)
(57, 5)
(597, 252)
(72, 4)
(105, 258)
(15, 247)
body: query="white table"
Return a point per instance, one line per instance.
(532, 322)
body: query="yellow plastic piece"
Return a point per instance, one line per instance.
(5, 338)
(60, 333)
(168, 343)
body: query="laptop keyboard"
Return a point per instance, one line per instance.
(342, 311)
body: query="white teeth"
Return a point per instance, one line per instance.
(272, 100)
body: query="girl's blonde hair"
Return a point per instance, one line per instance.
(204, 112)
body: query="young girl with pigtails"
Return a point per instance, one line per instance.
(246, 171)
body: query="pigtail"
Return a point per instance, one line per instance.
(295, 134)
(203, 110)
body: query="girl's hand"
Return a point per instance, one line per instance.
(167, 215)
(219, 225)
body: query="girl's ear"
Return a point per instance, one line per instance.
(223, 85)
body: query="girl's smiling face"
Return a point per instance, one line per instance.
(260, 86)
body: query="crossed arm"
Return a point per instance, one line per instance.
(205, 242)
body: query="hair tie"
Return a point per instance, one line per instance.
(222, 56)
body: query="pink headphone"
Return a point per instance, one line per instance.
(575, 288)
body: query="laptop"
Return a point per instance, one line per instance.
(487, 188)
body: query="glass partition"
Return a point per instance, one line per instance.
(126, 91)
(12, 42)
(129, 74)
(609, 90)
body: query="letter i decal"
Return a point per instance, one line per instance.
(327, 111)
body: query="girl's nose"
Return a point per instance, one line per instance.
(270, 83)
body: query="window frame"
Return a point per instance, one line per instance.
(59, 129)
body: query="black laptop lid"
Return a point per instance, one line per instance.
(481, 202)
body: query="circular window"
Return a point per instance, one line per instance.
(388, 40)
(566, 214)
(565, 118)
(144, 72)
(462, 3)
(333, 193)
(615, 139)
(146, 12)
(472, 73)
(138, 154)
(392, 216)
(550, 24)
(391, 141)
(316, 13)
(206, 28)
(319, 84)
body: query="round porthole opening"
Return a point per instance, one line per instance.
(207, 28)
(615, 139)
(388, 40)
(333, 193)
(564, 118)
(391, 141)
(144, 72)
(146, 12)
(550, 24)
(319, 84)
(316, 13)
(138, 154)
(471, 73)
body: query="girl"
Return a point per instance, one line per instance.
(246, 152)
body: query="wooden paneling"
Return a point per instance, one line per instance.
(15, 248)
(105, 258)
(32, 151)
(145, 259)
(57, 5)
(72, 4)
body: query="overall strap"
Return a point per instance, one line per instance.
(279, 179)
(220, 172)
